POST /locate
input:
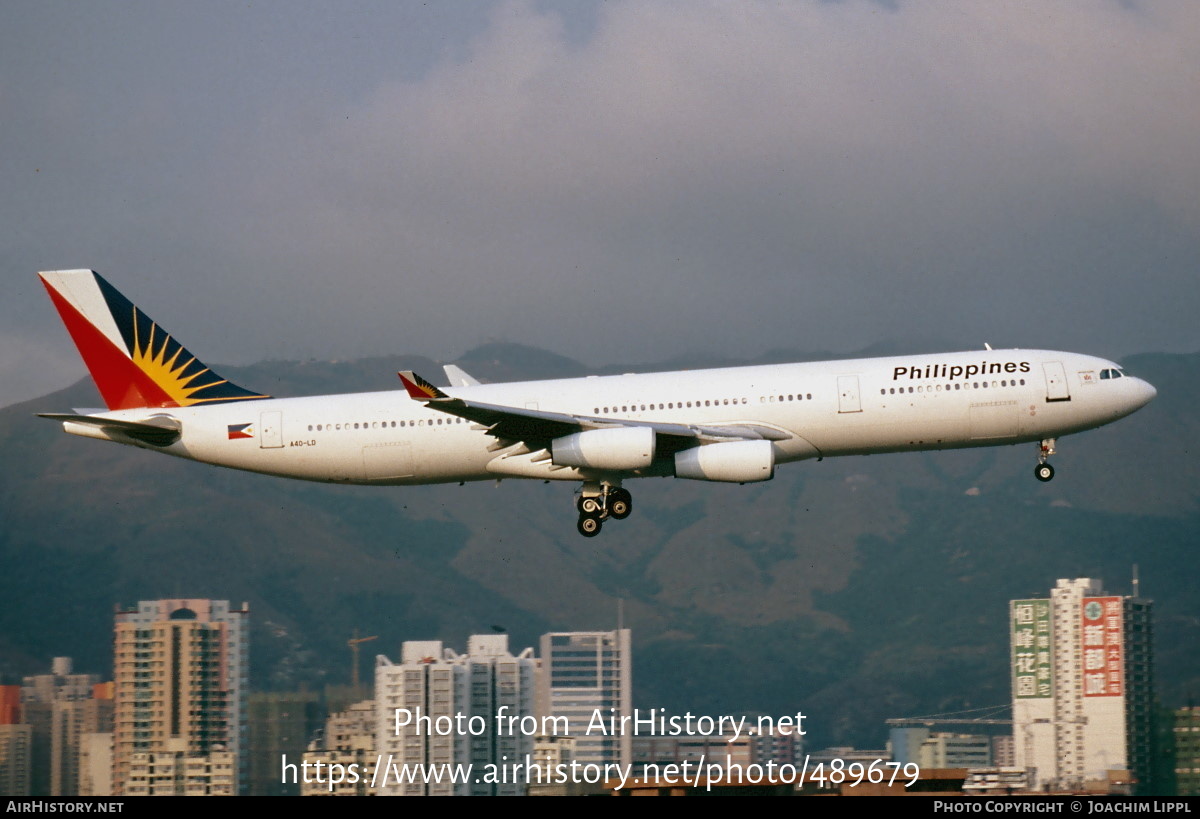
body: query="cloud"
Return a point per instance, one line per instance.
(684, 157)
(708, 175)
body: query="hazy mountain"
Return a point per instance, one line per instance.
(851, 589)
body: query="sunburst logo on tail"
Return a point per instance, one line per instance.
(159, 357)
(133, 362)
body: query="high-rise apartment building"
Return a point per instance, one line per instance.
(279, 726)
(1185, 731)
(585, 676)
(16, 764)
(1082, 677)
(180, 674)
(16, 740)
(95, 764)
(60, 707)
(10, 704)
(456, 709)
(347, 746)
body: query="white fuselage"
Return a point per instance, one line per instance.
(820, 409)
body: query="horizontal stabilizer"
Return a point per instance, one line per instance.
(161, 431)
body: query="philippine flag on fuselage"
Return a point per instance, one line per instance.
(237, 431)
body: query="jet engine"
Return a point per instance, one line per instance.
(618, 448)
(735, 462)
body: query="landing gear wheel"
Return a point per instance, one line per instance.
(588, 526)
(589, 506)
(1043, 472)
(620, 504)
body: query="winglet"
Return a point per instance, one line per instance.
(419, 388)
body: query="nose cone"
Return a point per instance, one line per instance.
(1143, 393)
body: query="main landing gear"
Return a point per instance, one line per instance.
(1043, 471)
(599, 501)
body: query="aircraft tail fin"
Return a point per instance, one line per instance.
(459, 377)
(133, 361)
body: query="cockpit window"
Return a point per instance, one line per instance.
(1112, 372)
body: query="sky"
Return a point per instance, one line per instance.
(619, 182)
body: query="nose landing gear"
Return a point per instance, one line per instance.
(599, 501)
(1043, 471)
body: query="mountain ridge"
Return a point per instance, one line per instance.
(855, 588)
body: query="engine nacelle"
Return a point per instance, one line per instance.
(618, 448)
(735, 462)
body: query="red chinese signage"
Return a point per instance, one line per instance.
(1103, 638)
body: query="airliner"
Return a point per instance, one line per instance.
(730, 425)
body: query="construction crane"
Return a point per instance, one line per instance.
(354, 642)
(955, 718)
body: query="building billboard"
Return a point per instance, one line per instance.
(1032, 671)
(1103, 640)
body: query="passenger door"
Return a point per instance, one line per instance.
(1056, 381)
(848, 398)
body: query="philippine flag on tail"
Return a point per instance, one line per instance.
(238, 431)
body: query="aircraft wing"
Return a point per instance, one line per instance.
(537, 428)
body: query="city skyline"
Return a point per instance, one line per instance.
(590, 672)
